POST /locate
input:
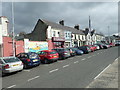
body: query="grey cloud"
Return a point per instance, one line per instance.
(27, 14)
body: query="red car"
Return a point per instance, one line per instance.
(48, 56)
(92, 48)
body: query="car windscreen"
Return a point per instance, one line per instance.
(33, 55)
(10, 60)
(52, 52)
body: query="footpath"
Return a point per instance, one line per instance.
(107, 79)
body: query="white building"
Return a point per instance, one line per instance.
(4, 23)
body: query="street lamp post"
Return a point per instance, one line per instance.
(13, 29)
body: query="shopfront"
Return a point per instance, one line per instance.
(58, 42)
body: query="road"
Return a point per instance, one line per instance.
(74, 72)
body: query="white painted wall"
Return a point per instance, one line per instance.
(4, 23)
(56, 32)
(49, 32)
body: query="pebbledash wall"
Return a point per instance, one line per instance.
(22, 46)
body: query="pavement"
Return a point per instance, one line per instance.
(108, 78)
(83, 71)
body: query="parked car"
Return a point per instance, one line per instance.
(105, 46)
(29, 59)
(63, 53)
(112, 44)
(48, 56)
(117, 43)
(78, 51)
(100, 45)
(85, 49)
(92, 48)
(72, 51)
(97, 47)
(10, 64)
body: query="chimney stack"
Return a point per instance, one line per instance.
(76, 27)
(61, 22)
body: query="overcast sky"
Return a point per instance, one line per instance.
(103, 14)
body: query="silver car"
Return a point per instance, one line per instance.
(10, 64)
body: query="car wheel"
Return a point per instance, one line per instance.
(46, 61)
(25, 66)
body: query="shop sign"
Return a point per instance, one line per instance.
(58, 39)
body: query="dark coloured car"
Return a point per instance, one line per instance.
(29, 59)
(48, 56)
(63, 53)
(85, 49)
(78, 51)
(72, 51)
(105, 46)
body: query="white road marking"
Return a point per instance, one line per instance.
(83, 59)
(33, 78)
(76, 61)
(102, 71)
(53, 70)
(11, 86)
(66, 65)
(116, 59)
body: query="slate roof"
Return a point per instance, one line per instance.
(61, 27)
(99, 34)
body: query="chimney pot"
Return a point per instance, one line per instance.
(61, 22)
(76, 27)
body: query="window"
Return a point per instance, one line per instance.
(23, 55)
(58, 34)
(53, 33)
(10, 60)
(82, 38)
(65, 34)
(1, 62)
(69, 35)
(52, 52)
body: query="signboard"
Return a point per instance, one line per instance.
(37, 46)
(58, 39)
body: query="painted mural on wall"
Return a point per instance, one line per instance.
(37, 46)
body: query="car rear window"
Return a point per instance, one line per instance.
(33, 55)
(52, 52)
(10, 60)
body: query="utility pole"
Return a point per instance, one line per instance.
(90, 30)
(13, 29)
(108, 35)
